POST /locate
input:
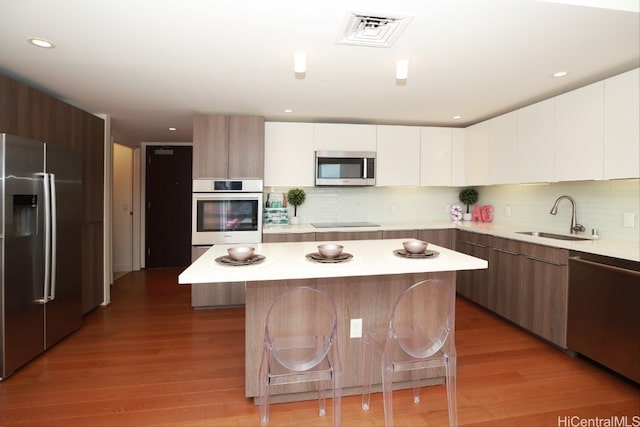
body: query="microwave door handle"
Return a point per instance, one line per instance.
(366, 168)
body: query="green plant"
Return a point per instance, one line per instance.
(468, 196)
(296, 197)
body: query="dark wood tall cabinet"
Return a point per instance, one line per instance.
(228, 146)
(30, 113)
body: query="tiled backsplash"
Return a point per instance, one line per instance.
(599, 204)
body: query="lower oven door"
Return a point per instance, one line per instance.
(220, 218)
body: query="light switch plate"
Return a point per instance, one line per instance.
(356, 328)
(629, 219)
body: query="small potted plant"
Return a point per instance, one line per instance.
(296, 197)
(468, 196)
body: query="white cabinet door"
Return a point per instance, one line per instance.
(288, 155)
(398, 155)
(457, 157)
(621, 126)
(477, 154)
(435, 156)
(579, 134)
(344, 137)
(503, 149)
(536, 150)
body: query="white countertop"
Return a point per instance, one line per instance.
(624, 249)
(285, 261)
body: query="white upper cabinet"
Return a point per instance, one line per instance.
(398, 155)
(435, 156)
(579, 122)
(477, 154)
(344, 137)
(503, 149)
(457, 157)
(621, 126)
(536, 151)
(289, 157)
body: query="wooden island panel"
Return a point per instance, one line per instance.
(370, 298)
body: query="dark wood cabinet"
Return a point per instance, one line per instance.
(504, 292)
(288, 237)
(30, 113)
(525, 283)
(545, 289)
(474, 284)
(228, 146)
(400, 234)
(348, 235)
(246, 147)
(442, 238)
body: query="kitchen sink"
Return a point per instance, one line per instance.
(551, 235)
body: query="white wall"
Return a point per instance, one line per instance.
(600, 204)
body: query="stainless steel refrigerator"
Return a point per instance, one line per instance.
(40, 248)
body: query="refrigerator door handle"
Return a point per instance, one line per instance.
(47, 238)
(53, 208)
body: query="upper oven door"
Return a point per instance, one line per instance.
(220, 218)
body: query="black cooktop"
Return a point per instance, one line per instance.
(343, 224)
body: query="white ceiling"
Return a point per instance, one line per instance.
(151, 64)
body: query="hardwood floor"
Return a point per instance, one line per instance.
(149, 359)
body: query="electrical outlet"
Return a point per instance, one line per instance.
(394, 209)
(356, 328)
(629, 220)
(447, 209)
(507, 211)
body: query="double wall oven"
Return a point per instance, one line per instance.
(226, 211)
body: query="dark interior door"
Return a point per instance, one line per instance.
(168, 206)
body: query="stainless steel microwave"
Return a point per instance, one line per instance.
(348, 168)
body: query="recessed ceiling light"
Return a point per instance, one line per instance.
(37, 41)
(560, 74)
(172, 128)
(288, 110)
(456, 117)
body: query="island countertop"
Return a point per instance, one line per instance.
(286, 261)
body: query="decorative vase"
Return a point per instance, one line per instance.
(295, 220)
(465, 217)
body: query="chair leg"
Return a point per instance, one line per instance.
(322, 409)
(337, 399)
(451, 391)
(264, 393)
(415, 379)
(367, 372)
(387, 392)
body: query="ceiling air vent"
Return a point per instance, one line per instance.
(372, 29)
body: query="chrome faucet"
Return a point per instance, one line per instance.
(575, 227)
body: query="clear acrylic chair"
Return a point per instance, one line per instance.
(420, 337)
(300, 345)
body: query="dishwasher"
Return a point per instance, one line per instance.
(603, 322)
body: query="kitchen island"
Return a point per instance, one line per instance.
(364, 287)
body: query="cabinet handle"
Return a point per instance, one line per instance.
(608, 267)
(547, 261)
(504, 251)
(474, 244)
